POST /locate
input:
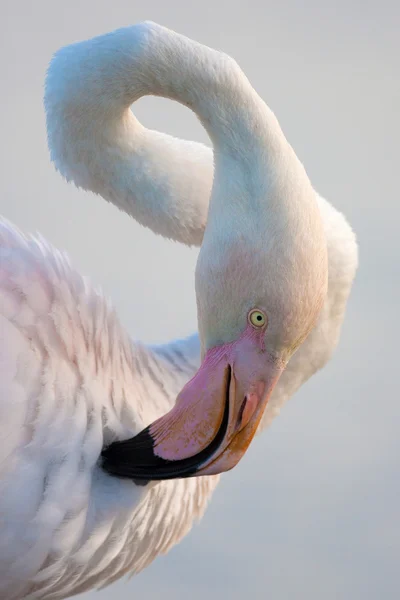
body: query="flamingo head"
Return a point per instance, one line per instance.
(259, 293)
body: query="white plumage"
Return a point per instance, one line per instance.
(72, 381)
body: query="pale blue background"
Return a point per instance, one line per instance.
(312, 512)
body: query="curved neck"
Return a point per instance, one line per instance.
(164, 183)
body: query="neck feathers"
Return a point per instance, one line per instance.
(163, 182)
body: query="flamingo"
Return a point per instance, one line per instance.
(111, 449)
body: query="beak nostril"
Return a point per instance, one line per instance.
(241, 411)
(247, 410)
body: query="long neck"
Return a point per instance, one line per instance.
(163, 182)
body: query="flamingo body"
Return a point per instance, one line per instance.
(72, 381)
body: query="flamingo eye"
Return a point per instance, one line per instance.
(257, 318)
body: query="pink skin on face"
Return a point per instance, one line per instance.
(196, 418)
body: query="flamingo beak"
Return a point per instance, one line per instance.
(209, 429)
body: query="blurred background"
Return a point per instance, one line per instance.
(312, 511)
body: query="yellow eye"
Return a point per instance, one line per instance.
(257, 318)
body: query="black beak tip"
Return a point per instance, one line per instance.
(135, 459)
(129, 458)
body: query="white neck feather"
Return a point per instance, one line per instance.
(163, 182)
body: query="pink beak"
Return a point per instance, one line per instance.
(215, 417)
